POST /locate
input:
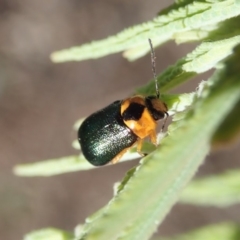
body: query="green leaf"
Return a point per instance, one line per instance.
(206, 56)
(220, 231)
(229, 130)
(148, 195)
(49, 234)
(222, 190)
(179, 18)
(52, 167)
(68, 164)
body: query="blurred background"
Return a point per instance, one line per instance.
(40, 101)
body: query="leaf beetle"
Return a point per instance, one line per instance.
(108, 133)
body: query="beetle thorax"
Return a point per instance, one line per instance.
(137, 117)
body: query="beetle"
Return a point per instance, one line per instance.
(108, 133)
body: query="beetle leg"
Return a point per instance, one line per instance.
(153, 138)
(117, 158)
(139, 147)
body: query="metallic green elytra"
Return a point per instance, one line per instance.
(103, 135)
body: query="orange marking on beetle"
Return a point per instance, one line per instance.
(144, 126)
(135, 99)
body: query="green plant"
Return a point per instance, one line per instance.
(156, 184)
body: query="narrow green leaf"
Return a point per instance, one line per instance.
(68, 164)
(229, 130)
(49, 234)
(219, 231)
(222, 190)
(52, 167)
(146, 198)
(218, 45)
(206, 56)
(177, 18)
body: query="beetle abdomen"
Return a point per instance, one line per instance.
(103, 135)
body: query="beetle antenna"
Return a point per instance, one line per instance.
(153, 59)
